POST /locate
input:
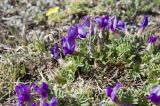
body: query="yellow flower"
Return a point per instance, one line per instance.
(52, 11)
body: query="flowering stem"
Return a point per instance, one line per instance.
(90, 38)
(139, 32)
(98, 46)
(100, 34)
(100, 41)
(148, 46)
(118, 103)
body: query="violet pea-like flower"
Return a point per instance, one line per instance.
(53, 102)
(73, 31)
(112, 93)
(23, 94)
(98, 20)
(85, 28)
(154, 95)
(144, 23)
(113, 23)
(121, 25)
(102, 22)
(82, 31)
(68, 44)
(105, 21)
(42, 91)
(151, 40)
(55, 51)
(86, 21)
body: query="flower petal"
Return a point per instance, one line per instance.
(45, 104)
(36, 88)
(73, 31)
(155, 95)
(23, 93)
(113, 23)
(144, 23)
(86, 21)
(102, 22)
(152, 39)
(121, 25)
(44, 86)
(68, 44)
(24, 98)
(22, 88)
(53, 102)
(82, 31)
(85, 28)
(108, 91)
(55, 51)
(115, 91)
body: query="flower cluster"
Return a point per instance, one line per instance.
(23, 93)
(68, 42)
(88, 27)
(154, 95)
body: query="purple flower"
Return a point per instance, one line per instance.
(113, 92)
(86, 20)
(83, 31)
(152, 39)
(113, 24)
(55, 51)
(68, 41)
(102, 22)
(53, 102)
(105, 21)
(121, 25)
(73, 31)
(68, 44)
(85, 28)
(98, 20)
(154, 95)
(24, 96)
(45, 103)
(42, 91)
(144, 23)
(23, 93)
